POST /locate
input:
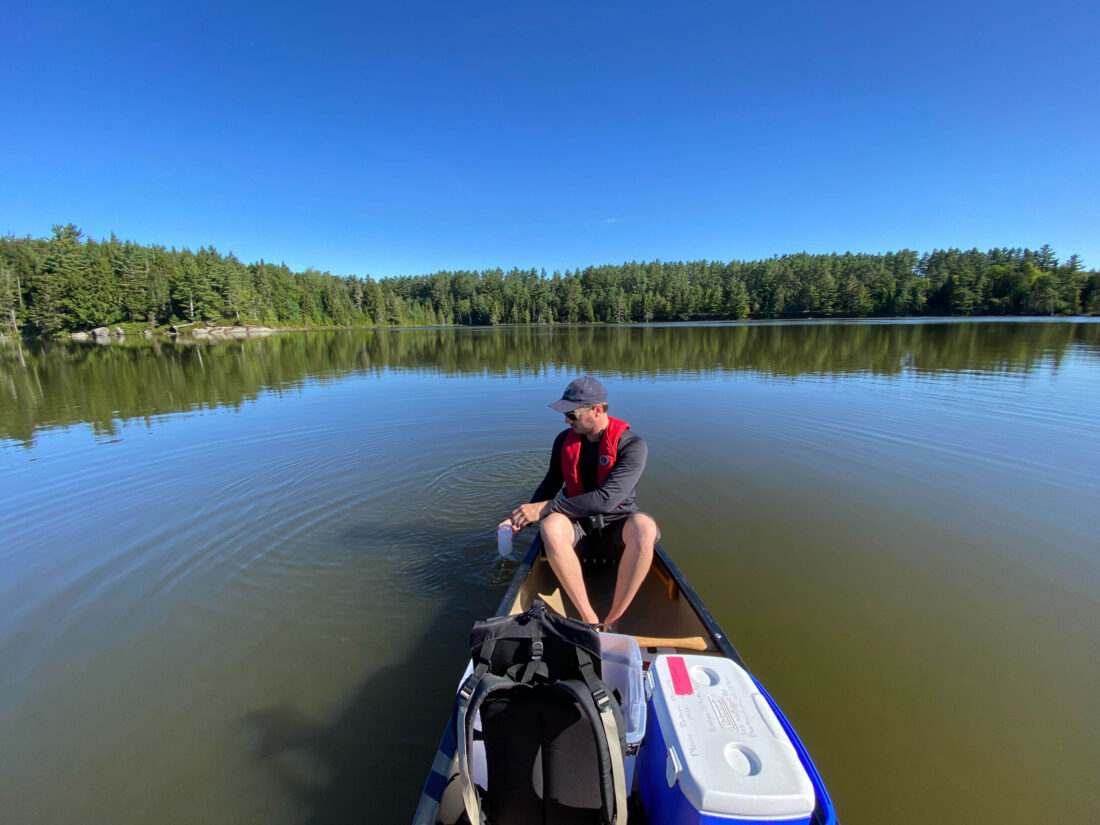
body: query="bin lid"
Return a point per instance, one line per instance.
(727, 749)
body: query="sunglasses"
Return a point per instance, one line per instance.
(573, 415)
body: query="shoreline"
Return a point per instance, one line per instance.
(222, 331)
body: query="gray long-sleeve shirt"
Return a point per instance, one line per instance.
(615, 499)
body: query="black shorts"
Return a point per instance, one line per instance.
(601, 546)
(598, 546)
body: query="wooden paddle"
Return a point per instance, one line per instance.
(687, 643)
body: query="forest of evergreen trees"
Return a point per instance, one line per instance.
(66, 282)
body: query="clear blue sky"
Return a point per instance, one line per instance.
(407, 137)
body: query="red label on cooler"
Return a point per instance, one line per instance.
(681, 682)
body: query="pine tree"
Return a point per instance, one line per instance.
(9, 300)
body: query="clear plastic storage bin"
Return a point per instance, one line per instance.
(622, 671)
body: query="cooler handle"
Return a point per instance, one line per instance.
(673, 768)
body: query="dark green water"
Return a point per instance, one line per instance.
(236, 578)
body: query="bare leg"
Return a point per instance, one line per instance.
(557, 538)
(639, 536)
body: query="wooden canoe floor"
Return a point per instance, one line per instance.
(660, 611)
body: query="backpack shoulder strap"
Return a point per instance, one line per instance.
(600, 709)
(612, 719)
(467, 704)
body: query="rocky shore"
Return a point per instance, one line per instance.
(103, 335)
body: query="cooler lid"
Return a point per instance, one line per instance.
(727, 749)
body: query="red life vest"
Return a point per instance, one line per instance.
(571, 456)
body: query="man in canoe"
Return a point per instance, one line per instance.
(598, 460)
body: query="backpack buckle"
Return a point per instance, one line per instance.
(536, 650)
(601, 698)
(467, 689)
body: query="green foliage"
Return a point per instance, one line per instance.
(9, 305)
(66, 283)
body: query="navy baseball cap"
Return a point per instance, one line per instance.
(581, 392)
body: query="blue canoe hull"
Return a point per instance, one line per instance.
(680, 620)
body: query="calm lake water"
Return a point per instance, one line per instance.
(236, 578)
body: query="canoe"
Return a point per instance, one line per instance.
(667, 618)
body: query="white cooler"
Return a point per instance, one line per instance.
(714, 750)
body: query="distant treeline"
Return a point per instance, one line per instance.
(64, 282)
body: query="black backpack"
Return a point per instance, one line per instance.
(554, 735)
